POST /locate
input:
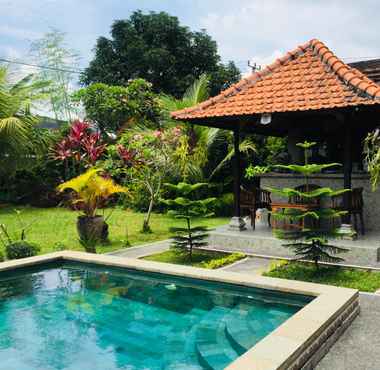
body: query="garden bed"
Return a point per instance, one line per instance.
(201, 258)
(363, 280)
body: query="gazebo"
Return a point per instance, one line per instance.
(308, 93)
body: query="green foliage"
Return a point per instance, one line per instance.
(157, 48)
(201, 258)
(316, 193)
(21, 249)
(223, 205)
(372, 150)
(34, 181)
(15, 244)
(203, 152)
(184, 207)
(115, 107)
(363, 280)
(307, 169)
(20, 143)
(256, 171)
(148, 159)
(224, 261)
(313, 241)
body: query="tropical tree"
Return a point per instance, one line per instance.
(185, 207)
(52, 52)
(113, 108)
(200, 143)
(147, 156)
(19, 139)
(157, 48)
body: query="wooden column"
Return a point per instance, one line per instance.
(347, 165)
(347, 169)
(237, 222)
(237, 173)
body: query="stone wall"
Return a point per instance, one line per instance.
(335, 181)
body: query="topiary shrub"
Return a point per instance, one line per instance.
(21, 249)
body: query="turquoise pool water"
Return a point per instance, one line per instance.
(82, 317)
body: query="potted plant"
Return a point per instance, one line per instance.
(91, 190)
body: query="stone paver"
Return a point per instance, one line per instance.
(358, 348)
(143, 250)
(251, 265)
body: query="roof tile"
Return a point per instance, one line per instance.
(309, 77)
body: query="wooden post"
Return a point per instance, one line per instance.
(347, 169)
(237, 173)
(237, 222)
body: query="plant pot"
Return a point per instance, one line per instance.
(92, 229)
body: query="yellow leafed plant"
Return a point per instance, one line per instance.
(91, 189)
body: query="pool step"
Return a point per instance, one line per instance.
(213, 349)
(244, 330)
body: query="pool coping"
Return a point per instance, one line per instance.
(299, 343)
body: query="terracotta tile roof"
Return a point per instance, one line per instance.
(371, 68)
(310, 77)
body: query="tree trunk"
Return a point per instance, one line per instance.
(146, 227)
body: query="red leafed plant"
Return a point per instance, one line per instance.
(126, 155)
(81, 145)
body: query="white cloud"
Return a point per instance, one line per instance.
(257, 30)
(18, 33)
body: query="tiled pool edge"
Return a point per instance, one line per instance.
(299, 343)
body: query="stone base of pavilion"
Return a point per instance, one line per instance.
(364, 251)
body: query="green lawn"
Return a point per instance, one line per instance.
(49, 226)
(211, 260)
(366, 281)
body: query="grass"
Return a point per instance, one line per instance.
(49, 227)
(363, 280)
(206, 259)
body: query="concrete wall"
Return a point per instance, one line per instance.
(335, 181)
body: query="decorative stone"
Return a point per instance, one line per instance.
(237, 223)
(261, 218)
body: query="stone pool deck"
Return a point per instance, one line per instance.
(356, 349)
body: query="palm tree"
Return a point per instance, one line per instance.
(18, 139)
(202, 142)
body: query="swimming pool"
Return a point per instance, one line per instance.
(65, 314)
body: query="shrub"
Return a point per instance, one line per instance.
(224, 205)
(220, 262)
(21, 249)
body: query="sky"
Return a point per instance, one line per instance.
(256, 30)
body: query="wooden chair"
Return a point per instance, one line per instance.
(307, 203)
(355, 206)
(302, 200)
(251, 201)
